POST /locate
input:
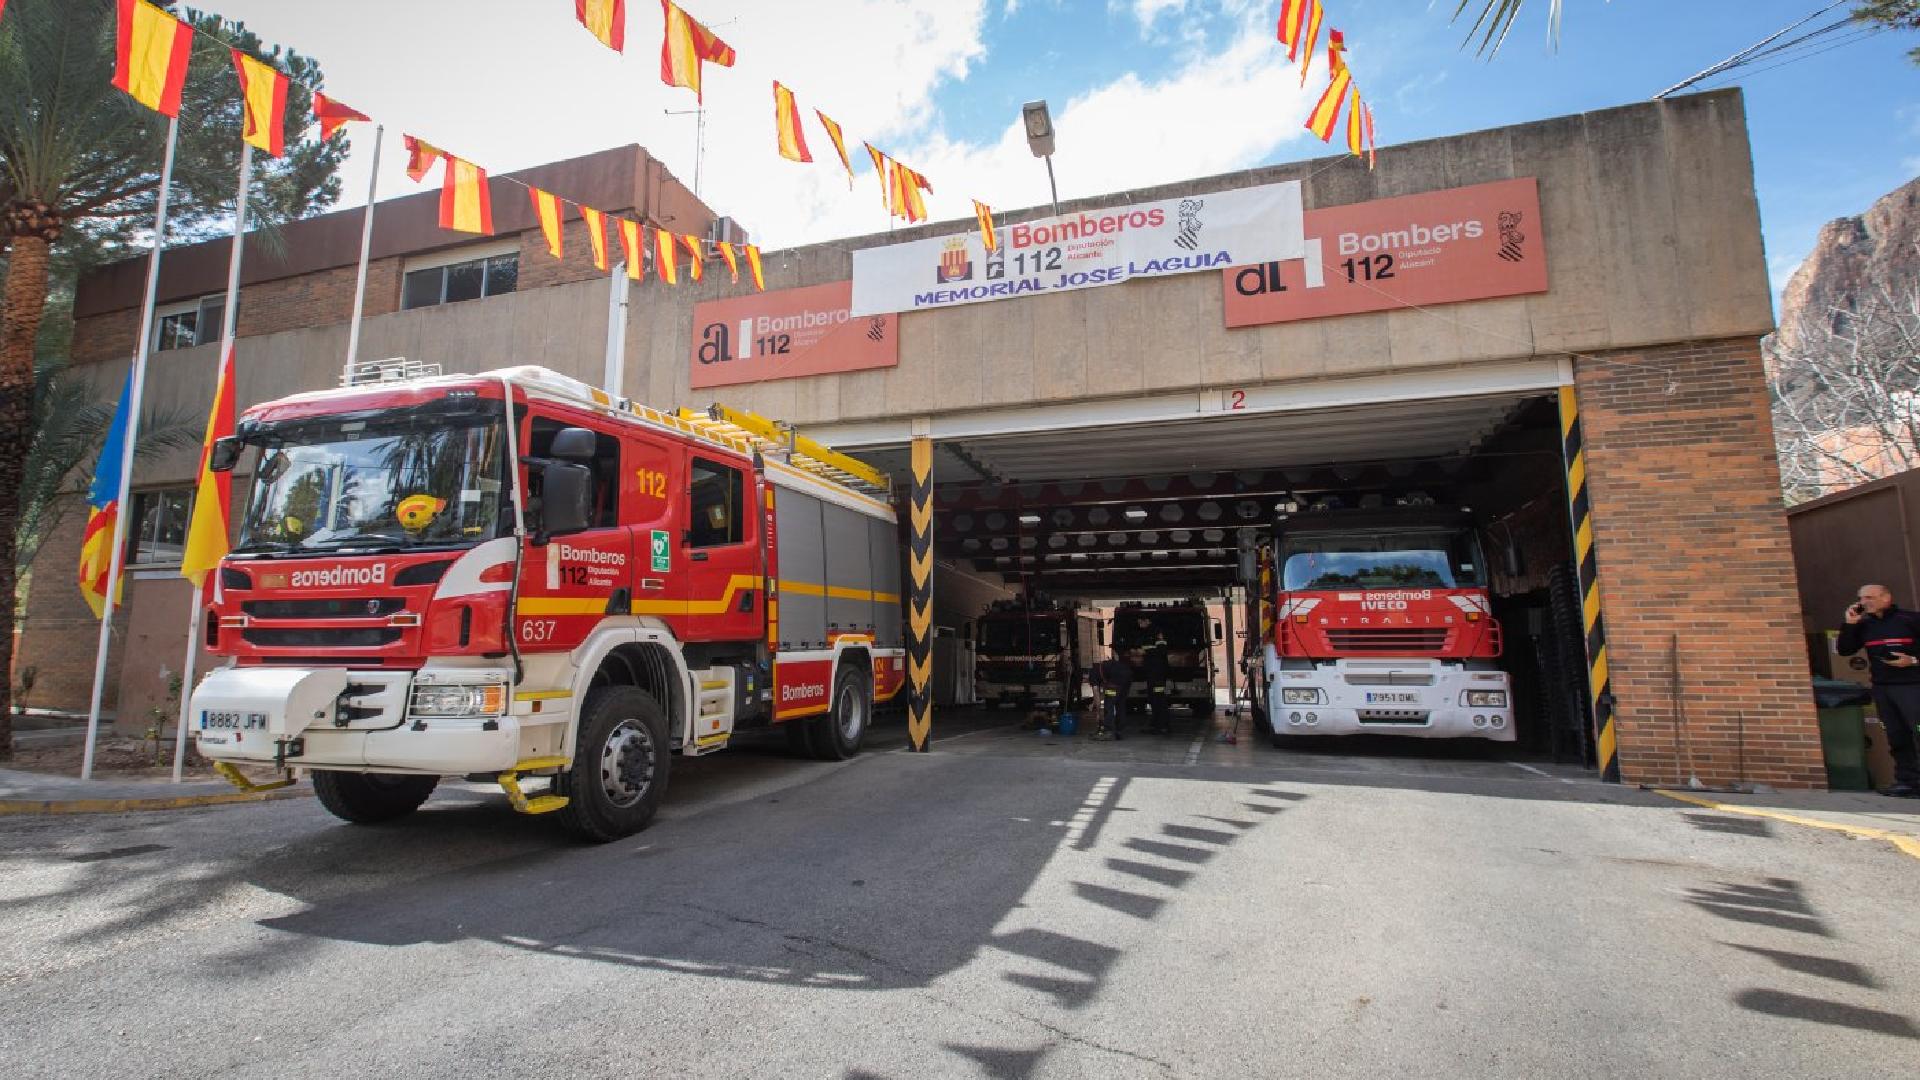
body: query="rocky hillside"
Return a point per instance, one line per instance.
(1853, 259)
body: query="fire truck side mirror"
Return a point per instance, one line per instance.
(226, 454)
(573, 444)
(566, 498)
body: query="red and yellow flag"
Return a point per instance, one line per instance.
(465, 203)
(1368, 109)
(985, 215)
(786, 117)
(907, 186)
(753, 264)
(634, 244)
(596, 235)
(263, 99)
(839, 145)
(207, 534)
(1356, 126)
(666, 262)
(685, 47)
(333, 116)
(1311, 39)
(1292, 20)
(733, 261)
(1327, 111)
(546, 207)
(696, 259)
(604, 19)
(151, 50)
(886, 178)
(421, 156)
(1336, 50)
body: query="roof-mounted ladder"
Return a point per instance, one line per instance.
(781, 443)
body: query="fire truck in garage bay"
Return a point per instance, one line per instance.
(1189, 633)
(1032, 650)
(1378, 621)
(514, 574)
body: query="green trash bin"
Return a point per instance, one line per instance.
(1843, 733)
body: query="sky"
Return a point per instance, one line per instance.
(1141, 91)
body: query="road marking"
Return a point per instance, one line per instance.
(1906, 844)
(1083, 817)
(1193, 751)
(1531, 769)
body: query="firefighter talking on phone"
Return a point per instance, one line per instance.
(1891, 638)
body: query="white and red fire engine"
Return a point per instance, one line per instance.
(514, 574)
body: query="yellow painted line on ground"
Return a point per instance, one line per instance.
(121, 806)
(1907, 844)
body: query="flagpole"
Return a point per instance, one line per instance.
(228, 320)
(366, 247)
(116, 557)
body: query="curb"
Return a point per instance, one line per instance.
(121, 806)
(1903, 842)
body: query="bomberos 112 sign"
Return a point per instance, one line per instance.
(1079, 251)
(787, 334)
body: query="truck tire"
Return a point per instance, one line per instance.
(837, 735)
(620, 763)
(371, 798)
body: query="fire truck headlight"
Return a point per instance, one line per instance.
(1486, 699)
(1300, 695)
(459, 699)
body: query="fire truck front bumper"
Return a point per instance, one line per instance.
(991, 692)
(430, 722)
(1417, 698)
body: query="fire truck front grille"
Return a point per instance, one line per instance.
(324, 609)
(304, 638)
(1387, 639)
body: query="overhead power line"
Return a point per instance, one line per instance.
(1747, 54)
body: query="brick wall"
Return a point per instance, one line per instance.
(1692, 539)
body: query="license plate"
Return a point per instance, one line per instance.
(1383, 698)
(212, 720)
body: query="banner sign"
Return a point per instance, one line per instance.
(787, 334)
(1444, 247)
(1079, 251)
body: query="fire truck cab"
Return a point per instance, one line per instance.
(515, 574)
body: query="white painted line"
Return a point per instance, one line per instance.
(1531, 769)
(1193, 751)
(1077, 825)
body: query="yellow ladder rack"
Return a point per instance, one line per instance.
(771, 438)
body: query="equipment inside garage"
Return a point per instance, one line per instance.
(1169, 510)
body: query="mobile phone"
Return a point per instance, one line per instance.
(1857, 609)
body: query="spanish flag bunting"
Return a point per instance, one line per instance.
(1292, 20)
(753, 264)
(604, 19)
(733, 261)
(546, 207)
(1368, 110)
(151, 50)
(421, 156)
(886, 178)
(696, 260)
(685, 47)
(633, 246)
(465, 203)
(333, 116)
(208, 530)
(839, 144)
(1356, 127)
(1312, 37)
(665, 262)
(103, 508)
(1321, 120)
(263, 99)
(786, 116)
(985, 214)
(596, 235)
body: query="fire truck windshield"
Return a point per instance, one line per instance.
(1381, 559)
(1018, 637)
(399, 479)
(1182, 629)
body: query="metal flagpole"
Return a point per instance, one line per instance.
(614, 368)
(117, 557)
(228, 318)
(366, 246)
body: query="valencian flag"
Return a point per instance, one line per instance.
(633, 242)
(839, 145)
(1356, 124)
(753, 264)
(1311, 39)
(604, 19)
(886, 178)
(465, 203)
(103, 508)
(546, 207)
(421, 156)
(696, 259)
(685, 47)
(207, 541)
(263, 97)
(151, 51)
(786, 116)
(985, 214)
(596, 235)
(1327, 111)
(733, 261)
(665, 261)
(333, 116)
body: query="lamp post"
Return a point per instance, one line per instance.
(1039, 123)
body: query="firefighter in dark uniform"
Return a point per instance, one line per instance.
(1154, 671)
(1891, 638)
(1111, 679)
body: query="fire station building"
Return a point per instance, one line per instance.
(1554, 325)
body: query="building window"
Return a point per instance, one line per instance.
(718, 495)
(157, 532)
(469, 279)
(189, 323)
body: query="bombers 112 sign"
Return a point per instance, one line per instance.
(1208, 231)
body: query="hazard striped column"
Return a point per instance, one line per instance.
(1599, 680)
(920, 599)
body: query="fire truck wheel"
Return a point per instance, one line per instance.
(371, 798)
(837, 735)
(620, 763)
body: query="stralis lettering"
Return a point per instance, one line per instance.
(593, 556)
(336, 576)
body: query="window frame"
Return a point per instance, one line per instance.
(139, 543)
(208, 312)
(737, 531)
(446, 261)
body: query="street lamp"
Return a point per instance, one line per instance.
(1039, 125)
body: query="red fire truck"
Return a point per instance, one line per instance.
(1379, 621)
(1034, 650)
(514, 574)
